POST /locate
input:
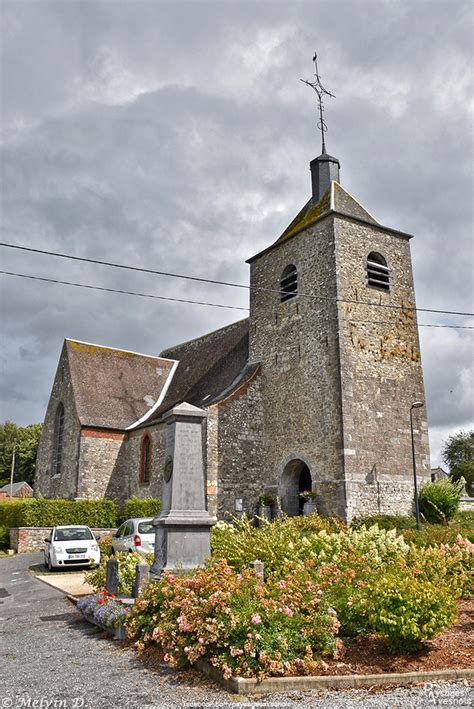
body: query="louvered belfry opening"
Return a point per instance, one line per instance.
(288, 283)
(378, 273)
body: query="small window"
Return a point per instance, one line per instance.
(378, 274)
(58, 440)
(288, 283)
(145, 459)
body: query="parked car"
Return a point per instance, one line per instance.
(135, 535)
(71, 545)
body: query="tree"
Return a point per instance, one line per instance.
(27, 438)
(458, 454)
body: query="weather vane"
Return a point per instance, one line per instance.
(320, 92)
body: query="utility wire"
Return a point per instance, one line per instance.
(114, 290)
(198, 302)
(227, 283)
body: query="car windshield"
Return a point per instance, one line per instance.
(72, 534)
(145, 528)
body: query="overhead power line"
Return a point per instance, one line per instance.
(227, 283)
(115, 290)
(198, 302)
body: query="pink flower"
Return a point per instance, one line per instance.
(257, 636)
(349, 601)
(256, 619)
(287, 611)
(239, 577)
(249, 635)
(331, 611)
(281, 584)
(201, 641)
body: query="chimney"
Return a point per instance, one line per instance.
(324, 169)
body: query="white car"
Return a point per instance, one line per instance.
(135, 535)
(71, 545)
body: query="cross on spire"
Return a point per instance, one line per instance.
(320, 92)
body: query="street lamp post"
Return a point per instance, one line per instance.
(415, 405)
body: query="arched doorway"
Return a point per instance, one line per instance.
(296, 478)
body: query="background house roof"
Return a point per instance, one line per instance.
(208, 366)
(15, 487)
(114, 388)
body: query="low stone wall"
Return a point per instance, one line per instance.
(466, 504)
(23, 539)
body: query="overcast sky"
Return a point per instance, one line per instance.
(177, 136)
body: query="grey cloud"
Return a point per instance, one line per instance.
(178, 135)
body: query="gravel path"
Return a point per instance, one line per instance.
(50, 657)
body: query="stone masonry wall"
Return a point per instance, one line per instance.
(381, 374)
(124, 479)
(65, 484)
(24, 539)
(234, 452)
(297, 343)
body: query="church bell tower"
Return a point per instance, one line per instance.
(333, 323)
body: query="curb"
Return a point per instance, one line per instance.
(242, 685)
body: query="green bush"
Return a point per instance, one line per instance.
(146, 507)
(408, 609)
(435, 534)
(127, 568)
(39, 512)
(439, 501)
(465, 519)
(4, 538)
(387, 522)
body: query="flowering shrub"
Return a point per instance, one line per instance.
(127, 568)
(322, 583)
(105, 545)
(275, 543)
(241, 626)
(104, 609)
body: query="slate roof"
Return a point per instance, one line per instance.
(15, 487)
(208, 367)
(335, 199)
(114, 388)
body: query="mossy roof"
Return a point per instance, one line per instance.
(114, 388)
(334, 200)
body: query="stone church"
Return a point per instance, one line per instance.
(311, 392)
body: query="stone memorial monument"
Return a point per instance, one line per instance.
(182, 538)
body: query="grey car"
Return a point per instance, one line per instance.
(135, 535)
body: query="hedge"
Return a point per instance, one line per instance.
(39, 512)
(147, 507)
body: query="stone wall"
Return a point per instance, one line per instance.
(24, 539)
(235, 466)
(123, 480)
(466, 504)
(381, 374)
(297, 344)
(64, 485)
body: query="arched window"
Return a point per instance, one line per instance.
(288, 283)
(145, 459)
(378, 274)
(58, 440)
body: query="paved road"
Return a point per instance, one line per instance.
(50, 657)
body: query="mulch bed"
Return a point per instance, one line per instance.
(451, 650)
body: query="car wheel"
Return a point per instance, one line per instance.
(49, 564)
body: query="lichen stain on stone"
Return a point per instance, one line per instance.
(92, 349)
